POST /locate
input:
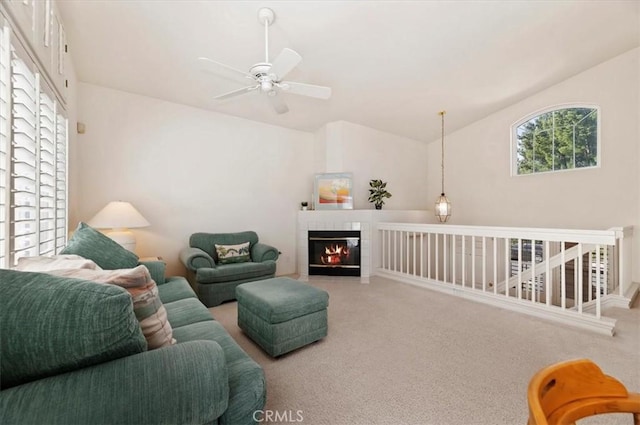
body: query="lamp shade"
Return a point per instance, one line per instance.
(118, 215)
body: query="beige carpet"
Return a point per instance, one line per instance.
(398, 354)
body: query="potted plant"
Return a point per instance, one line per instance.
(304, 205)
(378, 192)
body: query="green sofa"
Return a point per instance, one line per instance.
(216, 283)
(73, 353)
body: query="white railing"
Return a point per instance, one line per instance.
(558, 274)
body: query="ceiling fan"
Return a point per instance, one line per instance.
(267, 77)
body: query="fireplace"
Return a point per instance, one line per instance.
(334, 252)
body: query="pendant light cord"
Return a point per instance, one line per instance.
(442, 163)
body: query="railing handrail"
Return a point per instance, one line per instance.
(601, 237)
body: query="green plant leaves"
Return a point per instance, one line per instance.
(378, 192)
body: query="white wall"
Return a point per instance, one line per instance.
(373, 154)
(478, 180)
(188, 170)
(72, 116)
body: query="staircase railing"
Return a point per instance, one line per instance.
(558, 274)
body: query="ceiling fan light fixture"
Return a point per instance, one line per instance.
(266, 86)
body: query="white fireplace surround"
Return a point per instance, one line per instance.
(364, 220)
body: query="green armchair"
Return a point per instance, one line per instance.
(215, 282)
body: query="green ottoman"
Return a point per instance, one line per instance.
(282, 314)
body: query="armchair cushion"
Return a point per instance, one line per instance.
(234, 272)
(89, 243)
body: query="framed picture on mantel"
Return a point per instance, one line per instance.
(332, 191)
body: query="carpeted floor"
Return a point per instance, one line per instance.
(399, 354)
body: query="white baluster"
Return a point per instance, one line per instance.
(484, 264)
(414, 253)
(606, 270)
(473, 262)
(395, 250)
(453, 258)
(383, 249)
(444, 262)
(534, 286)
(495, 265)
(519, 283)
(580, 277)
(507, 265)
(401, 263)
(437, 255)
(599, 281)
(547, 275)
(464, 261)
(563, 277)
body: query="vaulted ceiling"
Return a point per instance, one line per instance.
(392, 65)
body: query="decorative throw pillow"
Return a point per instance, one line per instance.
(54, 262)
(228, 254)
(147, 305)
(89, 243)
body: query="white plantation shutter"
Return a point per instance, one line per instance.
(47, 183)
(5, 134)
(24, 159)
(33, 158)
(61, 182)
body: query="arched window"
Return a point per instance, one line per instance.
(559, 138)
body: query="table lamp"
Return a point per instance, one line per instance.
(119, 217)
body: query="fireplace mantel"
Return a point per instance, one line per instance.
(364, 220)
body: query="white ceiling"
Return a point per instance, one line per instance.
(392, 65)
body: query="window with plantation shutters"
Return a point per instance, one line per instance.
(5, 134)
(61, 182)
(24, 159)
(33, 158)
(47, 178)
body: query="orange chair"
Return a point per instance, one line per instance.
(565, 392)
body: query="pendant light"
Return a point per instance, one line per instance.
(443, 206)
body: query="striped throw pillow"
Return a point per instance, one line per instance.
(147, 306)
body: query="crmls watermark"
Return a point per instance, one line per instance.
(286, 416)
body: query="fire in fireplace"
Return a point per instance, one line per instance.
(334, 252)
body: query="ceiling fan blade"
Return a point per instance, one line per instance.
(319, 92)
(278, 104)
(224, 71)
(284, 63)
(236, 92)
